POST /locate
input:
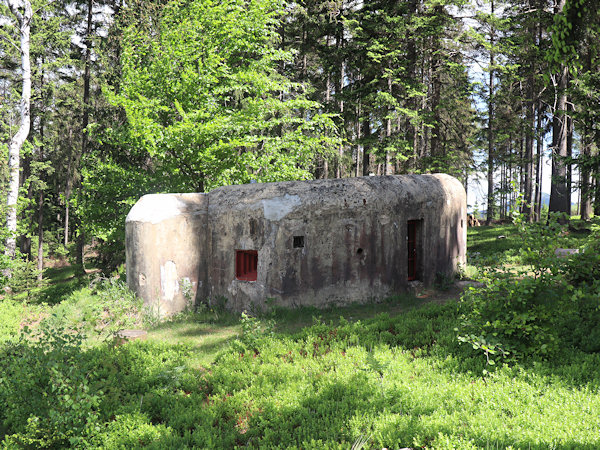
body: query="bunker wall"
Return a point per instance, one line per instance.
(321, 243)
(166, 250)
(353, 235)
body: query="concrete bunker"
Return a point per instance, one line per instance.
(317, 243)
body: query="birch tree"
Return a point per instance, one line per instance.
(22, 12)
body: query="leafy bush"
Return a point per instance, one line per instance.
(45, 390)
(11, 314)
(583, 268)
(126, 431)
(58, 393)
(101, 309)
(513, 317)
(23, 273)
(383, 382)
(552, 306)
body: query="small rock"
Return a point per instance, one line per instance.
(565, 252)
(124, 336)
(464, 284)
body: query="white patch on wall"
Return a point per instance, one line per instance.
(278, 207)
(169, 283)
(156, 208)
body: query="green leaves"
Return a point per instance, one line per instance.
(203, 97)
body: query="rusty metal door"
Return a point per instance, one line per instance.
(411, 239)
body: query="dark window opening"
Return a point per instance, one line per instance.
(246, 263)
(411, 239)
(298, 241)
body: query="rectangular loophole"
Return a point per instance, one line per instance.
(298, 241)
(246, 264)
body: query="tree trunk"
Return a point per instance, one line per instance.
(339, 90)
(24, 241)
(366, 155)
(388, 133)
(358, 136)
(585, 190)
(86, 111)
(584, 177)
(596, 191)
(40, 249)
(40, 208)
(528, 175)
(539, 160)
(560, 196)
(16, 143)
(436, 93)
(490, 174)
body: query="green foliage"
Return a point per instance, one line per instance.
(384, 381)
(204, 99)
(583, 269)
(254, 331)
(109, 191)
(46, 390)
(100, 310)
(11, 314)
(513, 318)
(539, 312)
(23, 273)
(568, 30)
(126, 431)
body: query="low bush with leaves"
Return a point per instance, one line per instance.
(386, 381)
(45, 390)
(101, 309)
(11, 315)
(551, 306)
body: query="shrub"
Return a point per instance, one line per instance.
(11, 314)
(45, 390)
(128, 431)
(513, 317)
(101, 309)
(553, 306)
(23, 273)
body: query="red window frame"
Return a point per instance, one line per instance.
(246, 265)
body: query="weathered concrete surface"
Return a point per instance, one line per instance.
(166, 249)
(354, 234)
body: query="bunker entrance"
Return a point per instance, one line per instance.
(413, 235)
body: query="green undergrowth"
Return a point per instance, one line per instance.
(390, 381)
(501, 245)
(57, 285)
(514, 364)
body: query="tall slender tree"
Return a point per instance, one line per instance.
(22, 13)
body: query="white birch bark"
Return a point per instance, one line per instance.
(21, 9)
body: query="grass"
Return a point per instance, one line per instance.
(388, 374)
(204, 339)
(58, 284)
(208, 333)
(499, 245)
(396, 380)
